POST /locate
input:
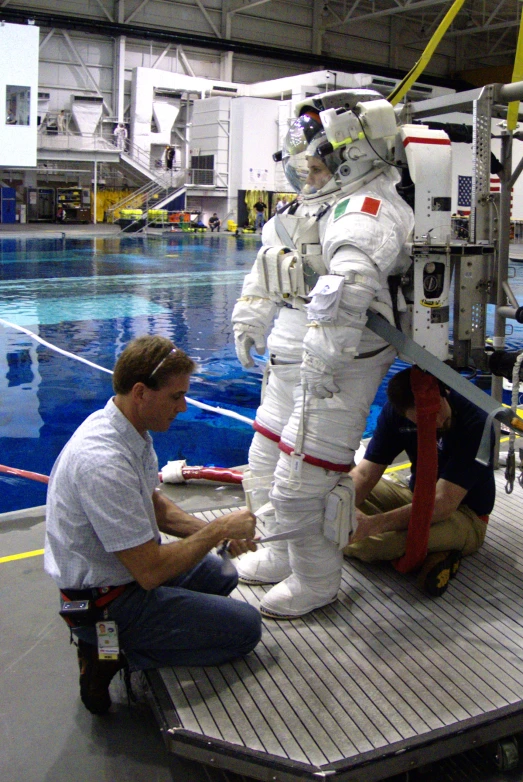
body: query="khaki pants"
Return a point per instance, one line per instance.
(462, 531)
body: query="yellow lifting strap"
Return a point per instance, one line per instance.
(517, 75)
(406, 83)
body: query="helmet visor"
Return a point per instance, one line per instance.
(301, 132)
(296, 170)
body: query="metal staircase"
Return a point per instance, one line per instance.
(155, 194)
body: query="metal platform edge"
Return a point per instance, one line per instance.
(400, 757)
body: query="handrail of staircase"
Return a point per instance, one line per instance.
(142, 197)
(139, 155)
(137, 196)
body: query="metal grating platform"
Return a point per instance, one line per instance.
(384, 680)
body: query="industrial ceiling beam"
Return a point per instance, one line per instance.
(208, 18)
(113, 29)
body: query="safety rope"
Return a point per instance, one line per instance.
(193, 402)
(406, 83)
(517, 75)
(428, 403)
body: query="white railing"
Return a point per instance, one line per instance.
(148, 196)
(76, 142)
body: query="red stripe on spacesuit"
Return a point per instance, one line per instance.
(266, 432)
(419, 140)
(316, 462)
(371, 205)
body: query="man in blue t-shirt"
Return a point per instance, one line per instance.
(465, 489)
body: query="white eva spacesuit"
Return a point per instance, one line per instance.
(344, 240)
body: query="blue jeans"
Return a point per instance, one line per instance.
(186, 621)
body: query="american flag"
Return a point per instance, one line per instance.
(465, 192)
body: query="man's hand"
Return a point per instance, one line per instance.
(367, 525)
(240, 526)
(237, 547)
(317, 377)
(246, 339)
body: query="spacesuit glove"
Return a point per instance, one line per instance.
(246, 338)
(317, 377)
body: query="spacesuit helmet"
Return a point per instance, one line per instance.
(302, 130)
(331, 128)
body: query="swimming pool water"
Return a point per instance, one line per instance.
(91, 297)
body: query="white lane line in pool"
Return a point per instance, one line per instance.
(194, 402)
(197, 278)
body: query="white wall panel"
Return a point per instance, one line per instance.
(19, 58)
(254, 139)
(210, 130)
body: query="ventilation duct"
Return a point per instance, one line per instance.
(87, 112)
(219, 90)
(43, 105)
(164, 115)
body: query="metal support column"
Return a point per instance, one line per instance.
(503, 252)
(119, 77)
(95, 189)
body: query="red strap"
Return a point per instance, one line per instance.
(308, 459)
(428, 404)
(102, 599)
(317, 462)
(113, 593)
(266, 432)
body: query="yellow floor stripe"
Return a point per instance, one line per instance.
(26, 554)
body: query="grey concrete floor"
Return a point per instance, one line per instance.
(46, 734)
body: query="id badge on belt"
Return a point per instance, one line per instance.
(107, 636)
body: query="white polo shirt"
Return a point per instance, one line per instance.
(100, 501)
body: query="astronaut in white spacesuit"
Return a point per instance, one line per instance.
(335, 248)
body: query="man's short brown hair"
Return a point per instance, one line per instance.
(140, 363)
(400, 394)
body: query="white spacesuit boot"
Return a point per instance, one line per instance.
(270, 563)
(315, 561)
(304, 590)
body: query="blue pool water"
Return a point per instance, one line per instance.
(91, 297)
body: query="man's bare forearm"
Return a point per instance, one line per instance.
(179, 557)
(173, 520)
(448, 498)
(365, 476)
(391, 521)
(152, 565)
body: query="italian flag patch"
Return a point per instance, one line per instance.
(366, 204)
